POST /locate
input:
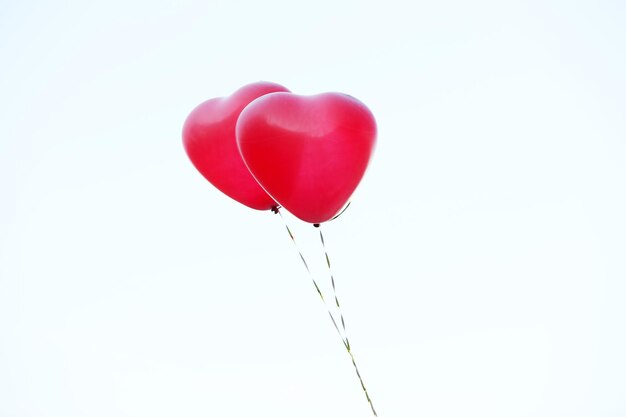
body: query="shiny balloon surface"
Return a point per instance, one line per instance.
(308, 152)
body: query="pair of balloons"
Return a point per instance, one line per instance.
(265, 146)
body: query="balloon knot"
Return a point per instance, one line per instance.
(316, 225)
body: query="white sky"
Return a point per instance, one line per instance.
(481, 265)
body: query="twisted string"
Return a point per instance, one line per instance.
(317, 287)
(343, 337)
(343, 322)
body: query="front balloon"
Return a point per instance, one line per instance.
(308, 152)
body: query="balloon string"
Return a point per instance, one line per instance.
(332, 281)
(343, 322)
(344, 338)
(317, 287)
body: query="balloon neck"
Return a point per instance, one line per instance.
(316, 225)
(275, 209)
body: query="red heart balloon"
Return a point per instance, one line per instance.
(308, 152)
(209, 140)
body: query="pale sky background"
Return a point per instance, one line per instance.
(482, 264)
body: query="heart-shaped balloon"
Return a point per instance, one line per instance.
(209, 140)
(308, 152)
